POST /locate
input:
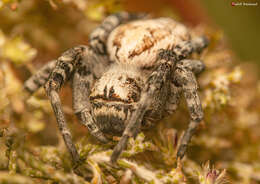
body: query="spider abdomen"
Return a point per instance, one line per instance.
(137, 43)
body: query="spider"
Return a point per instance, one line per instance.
(132, 74)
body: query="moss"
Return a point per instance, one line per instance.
(31, 149)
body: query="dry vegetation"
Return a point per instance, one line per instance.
(32, 151)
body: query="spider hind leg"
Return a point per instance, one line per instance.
(37, 80)
(99, 36)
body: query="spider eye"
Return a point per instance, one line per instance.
(90, 127)
(135, 96)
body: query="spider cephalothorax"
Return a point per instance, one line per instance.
(131, 75)
(113, 97)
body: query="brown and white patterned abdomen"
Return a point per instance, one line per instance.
(138, 42)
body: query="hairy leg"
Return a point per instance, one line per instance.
(199, 43)
(60, 74)
(185, 78)
(98, 37)
(154, 84)
(185, 48)
(40, 78)
(196, 66)
(66, 66)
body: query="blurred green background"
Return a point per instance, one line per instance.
(240, 23)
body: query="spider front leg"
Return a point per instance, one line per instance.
(154, 84)
(66, 65)
(184, 77)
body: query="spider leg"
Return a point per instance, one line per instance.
(62, 72)
(154, 84)
(185, 78)
(199, 43)
(184, 49)
(98, 37)
(39, 79)
(81, 83)
(196, 66)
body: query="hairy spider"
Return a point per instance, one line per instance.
(131, 75)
